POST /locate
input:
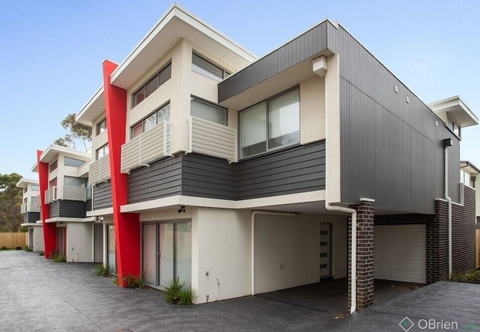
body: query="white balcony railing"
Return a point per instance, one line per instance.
(146, 147)
(213, 139)
(99, 170)
(72, 193)
(51, 195)
(29, 207)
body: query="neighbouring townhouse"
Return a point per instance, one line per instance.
(65, 198)
(470, 173)
(242, 175)
(30, 209)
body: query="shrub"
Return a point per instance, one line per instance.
(27, 248)
(177, 293)
(471, 276)
(3, 248)
(41, 253)
(132, 281)
(59, 258)
(101, 270)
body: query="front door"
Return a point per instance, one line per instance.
(325, 250)
(61, 241)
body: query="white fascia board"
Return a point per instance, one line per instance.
(100, 212)
(23, 182)
(62, 219)
(92, 109)
(30, 225)
(173, 201)
(53, 150)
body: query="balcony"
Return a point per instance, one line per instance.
(29, 207)
(147, 147)
(213, 139)
(99, 171)
(71, 193)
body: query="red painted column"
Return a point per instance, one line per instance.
(127, 225)
(50, 229)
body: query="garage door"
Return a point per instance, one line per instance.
(400, 252)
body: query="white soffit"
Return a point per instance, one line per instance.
(92, 109)
(54, 150)
(24, 182)
(457, 109)
(172, 27)
(469, 168)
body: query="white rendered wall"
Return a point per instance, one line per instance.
(339, 244)
(38, 239)
(312, 110)
(79, 242)
(221, 247)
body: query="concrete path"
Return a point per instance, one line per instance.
(40, 295)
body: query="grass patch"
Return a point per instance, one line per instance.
(101, 270)
(471, 277)
(177, 293)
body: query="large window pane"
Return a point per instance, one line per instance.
(139, 97)
(150, 253)
(253, 126)
(284, 120)
(72, 162)
(183, 252)
(74, 182)
(150, 122)
(111, 259)
(204, 67)
(151, 86)
(208, 112)
(163, 114)
(166, 253)
(165, 74)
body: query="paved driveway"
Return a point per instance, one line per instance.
(39, 295)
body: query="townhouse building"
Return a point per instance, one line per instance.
(65, 197)
(30, 210)
(242, 175)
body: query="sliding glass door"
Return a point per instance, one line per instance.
(111, 258)
(167, 252)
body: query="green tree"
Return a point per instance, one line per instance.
(76, 132)
(10, 203)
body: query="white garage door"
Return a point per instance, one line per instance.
(400, 252)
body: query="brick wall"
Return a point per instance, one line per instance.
(403, 219)
(437, 244)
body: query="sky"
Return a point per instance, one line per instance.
(51, 52)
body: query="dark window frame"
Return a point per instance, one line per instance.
(207, 102)
(142, 121)
(225, 73)
(99, 127)
(156, 76)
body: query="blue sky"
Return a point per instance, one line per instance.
(51, 52)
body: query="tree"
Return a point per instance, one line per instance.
(76, 132)
(10, 203)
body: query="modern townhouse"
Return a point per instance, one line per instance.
(30, 209)
(65, 198)
(242, 175)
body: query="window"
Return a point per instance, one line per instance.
(34, 199)
(53, 166)
(153, 84)
(52, 183)
(102, 152)
(101, 126)
(453, 127)
(163, 114)
(271, 124)
(35, 187)
(74, 182)
(206, 68)
(25, 189)
(72, 162)
(207, 111)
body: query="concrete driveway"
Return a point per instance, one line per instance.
(39, 295)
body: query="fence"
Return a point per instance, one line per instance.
(13, 240)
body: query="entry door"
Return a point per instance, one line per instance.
(61, 240)
(325, 250)
(30, 238)
(111, 258)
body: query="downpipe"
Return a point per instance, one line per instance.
(449, 200)
(353, 264)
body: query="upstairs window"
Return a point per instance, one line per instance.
(208, 111)
(271, 124)
(101, 126)
(75, 182)
(157, 117)
(101, 152)
(25, 189)
(53, 166)
(206, 68)
(34, 199)
(35, 187)
(52, 183)
(453, 127)
(153, 84)
(72, 162)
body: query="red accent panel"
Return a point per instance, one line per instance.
(49, 230)
(127, 225)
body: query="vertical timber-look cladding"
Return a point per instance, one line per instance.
(102, 196)
(391, 150)
(301, 48)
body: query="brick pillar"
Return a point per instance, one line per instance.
(365, 253)
(437, 244)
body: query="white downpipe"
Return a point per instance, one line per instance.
(449, 215)
(353, 270)
(252, 241)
